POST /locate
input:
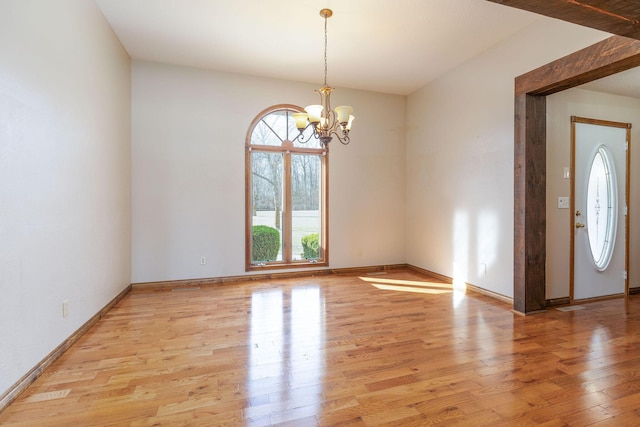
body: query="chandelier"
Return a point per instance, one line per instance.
(324, 121)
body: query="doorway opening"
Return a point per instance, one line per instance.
(599, 202)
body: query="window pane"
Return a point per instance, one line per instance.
(264, 134)
(601, 209)
(267, 205)
(305, 203)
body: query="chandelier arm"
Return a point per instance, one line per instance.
(301, 138)
(330, 112)
(344, 139)
(332, 119)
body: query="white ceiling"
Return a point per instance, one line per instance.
(380, 45)
(625, 83)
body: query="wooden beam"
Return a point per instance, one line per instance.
(602, 59)
(621, 17)
(530, 204)
(594, 62)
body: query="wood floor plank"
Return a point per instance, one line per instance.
(396, 349)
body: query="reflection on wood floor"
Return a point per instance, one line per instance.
(394, 349)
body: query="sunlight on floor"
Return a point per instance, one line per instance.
(409, 285)
(459, 290)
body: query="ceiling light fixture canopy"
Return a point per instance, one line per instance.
(324, 121)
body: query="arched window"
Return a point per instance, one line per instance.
(286, 194)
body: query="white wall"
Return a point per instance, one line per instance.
(64, 174)
(188, 136)
(560, 107)
(460, 157)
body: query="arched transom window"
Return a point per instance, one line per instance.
(286, 194)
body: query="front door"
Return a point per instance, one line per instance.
(599, 219)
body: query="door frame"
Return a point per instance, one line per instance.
(572, 216)
(602, 59)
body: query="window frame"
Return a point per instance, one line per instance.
(287, 148)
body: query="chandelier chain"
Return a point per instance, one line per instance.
(325, 49)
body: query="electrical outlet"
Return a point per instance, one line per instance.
(65, 308)
(203, 260)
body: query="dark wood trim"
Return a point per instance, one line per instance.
(595, 299)
(441, 277)
(324, 243)
(187, 283)
(247, 208)
(614, 17)
(556, 302)
(287, 214)
(600, 60)
(284, 265)
(530, 203)
(286, 149)
(634, 291)
(469, 286)
(572, 215)
(598, 122)
(627, 220)
(609, 123)
(213, 281)
(28, 379)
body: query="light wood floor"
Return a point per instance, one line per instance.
(394, 349)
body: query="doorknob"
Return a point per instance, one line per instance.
(578, 213)
(579, 225)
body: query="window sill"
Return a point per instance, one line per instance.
(281, 266)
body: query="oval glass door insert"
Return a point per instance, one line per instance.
(602, 202)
